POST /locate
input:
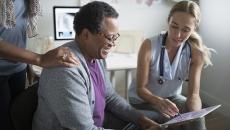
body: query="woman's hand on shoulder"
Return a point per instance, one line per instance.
(61, 56)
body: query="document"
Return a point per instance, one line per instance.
(190, 116)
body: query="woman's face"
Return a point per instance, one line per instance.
(181, 26)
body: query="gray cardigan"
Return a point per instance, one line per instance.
(66, 98)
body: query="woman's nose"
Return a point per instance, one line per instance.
(178, 34)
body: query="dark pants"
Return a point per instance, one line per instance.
(10, 87)
(113, 122)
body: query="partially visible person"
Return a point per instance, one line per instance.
(165, 62)
(17, 20)
(82, 98)
(60, 56)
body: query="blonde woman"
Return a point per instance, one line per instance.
(165, 62)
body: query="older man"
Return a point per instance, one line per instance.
(80, 98)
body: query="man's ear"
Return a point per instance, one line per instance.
(85, 34)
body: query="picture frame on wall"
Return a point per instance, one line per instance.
(63, 22)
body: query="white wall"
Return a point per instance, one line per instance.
(148, 20)
(46, 26)
(215, 29)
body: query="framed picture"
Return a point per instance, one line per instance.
(63, 22)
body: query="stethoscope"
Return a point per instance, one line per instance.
(161, 79)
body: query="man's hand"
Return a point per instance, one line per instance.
(60, 56)
(154, 128)
(148, 124)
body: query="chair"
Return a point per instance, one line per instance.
(23, 108)
(32, 74)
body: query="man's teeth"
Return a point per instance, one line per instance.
(106, 50)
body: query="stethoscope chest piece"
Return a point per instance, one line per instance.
(160, 80)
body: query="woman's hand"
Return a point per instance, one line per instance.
(167, 108)
(60, 56)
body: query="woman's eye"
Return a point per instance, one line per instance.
(175, 27)
(186, 30)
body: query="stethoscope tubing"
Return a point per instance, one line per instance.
(161, 79)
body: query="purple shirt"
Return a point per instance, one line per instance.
(99, 89)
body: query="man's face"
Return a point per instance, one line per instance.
(102, 43)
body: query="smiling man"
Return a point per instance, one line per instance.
(82, 98)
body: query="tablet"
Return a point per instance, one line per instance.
(190, 116)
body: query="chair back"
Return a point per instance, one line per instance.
(23, 108)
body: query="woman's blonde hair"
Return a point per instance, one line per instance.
(194, 40)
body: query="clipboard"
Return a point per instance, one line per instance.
(189, 116)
